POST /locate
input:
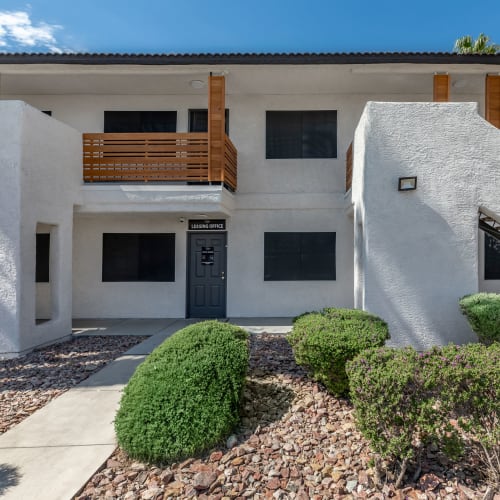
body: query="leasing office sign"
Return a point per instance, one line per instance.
(207, 225)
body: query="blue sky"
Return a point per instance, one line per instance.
(183, 26)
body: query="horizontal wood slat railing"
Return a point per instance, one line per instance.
(230, 164)
(143, 157)
(348, 168)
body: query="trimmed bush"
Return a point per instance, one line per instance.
(483, 313)
(185, 397)
(323, 343)
(405, 400)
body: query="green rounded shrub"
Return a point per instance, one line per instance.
(323, 343)
(185, 397)
(405, 400)
(483, 313)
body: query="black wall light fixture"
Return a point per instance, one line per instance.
(407, 184)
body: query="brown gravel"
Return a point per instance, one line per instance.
(32, 381)
(295, 442)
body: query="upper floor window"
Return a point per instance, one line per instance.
(301, 134)
(491, 258)
(140, 121)
(198, 120)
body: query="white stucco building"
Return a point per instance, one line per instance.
(157, 190)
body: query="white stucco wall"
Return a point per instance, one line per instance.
(10, 222)
(420, 248)
(247, 292)
(273, 195)
(43, 189)
(93, 298)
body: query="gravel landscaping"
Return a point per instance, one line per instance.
(295, 442)
(30, 382)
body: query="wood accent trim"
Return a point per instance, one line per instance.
(216, 128)
(162, 157)
(441, 88)
(142, 157)
(230, 165)
(492, 95)
(348, 168)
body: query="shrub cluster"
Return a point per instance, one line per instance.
(405, 400)
(185, 397)
(483, 313)
(324, 341)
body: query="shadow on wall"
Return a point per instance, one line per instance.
(7, 344)
(9, 477)
(418, 279)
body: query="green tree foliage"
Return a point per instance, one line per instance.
(481, 45)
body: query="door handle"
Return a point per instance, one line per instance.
(222, 277)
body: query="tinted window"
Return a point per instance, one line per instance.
(299, 256)
(138, 257)
(140, 121)
(198, 120)
(301, 134)
(491, 258)
(42, 258)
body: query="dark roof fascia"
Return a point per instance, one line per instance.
(251, 59)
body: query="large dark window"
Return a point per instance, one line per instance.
(299, 256)
(140, 121)
(491, 258)
(138, 257)
(42, 271)
(301, 134)
(198, 120)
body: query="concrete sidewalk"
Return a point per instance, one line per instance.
(53, 453)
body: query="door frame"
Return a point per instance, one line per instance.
(188, 267)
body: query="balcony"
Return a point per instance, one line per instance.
(158, 157)
(192, 158)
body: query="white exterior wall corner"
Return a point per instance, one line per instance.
(420, 248)
(10, 223)
(48, 169)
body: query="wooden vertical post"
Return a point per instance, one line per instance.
(216, 128)
(441, 88)
(492, 95)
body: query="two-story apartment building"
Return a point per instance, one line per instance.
(226, 185)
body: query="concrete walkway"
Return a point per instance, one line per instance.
(53, 453)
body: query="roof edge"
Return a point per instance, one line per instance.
(250, 58)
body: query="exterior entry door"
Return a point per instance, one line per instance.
(206, 279)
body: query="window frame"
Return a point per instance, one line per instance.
(42, 258)
(300, 129)
(197, 110)
(110, 128)
(305, 256)
(491, 270)
(135, 265)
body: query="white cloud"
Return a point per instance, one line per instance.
(18, 33)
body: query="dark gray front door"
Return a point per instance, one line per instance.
(206, 280)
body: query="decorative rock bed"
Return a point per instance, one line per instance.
(295, 442)
(30, 382)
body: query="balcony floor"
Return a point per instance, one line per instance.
(157, 197)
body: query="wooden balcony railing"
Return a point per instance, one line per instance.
(150, 157)
(230, 171)
(348, 168)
